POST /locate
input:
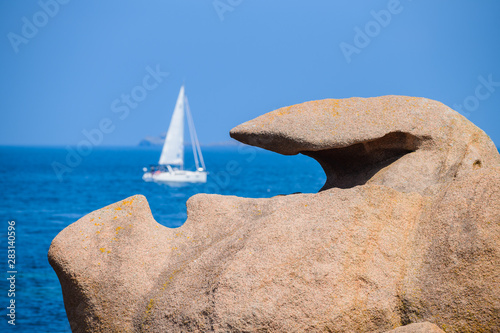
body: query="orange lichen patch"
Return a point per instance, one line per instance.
(102, 249)
(334, 112)
(150, 306)
(98, 232)
(129, 213)
(118, 208)
(128, 202)
(109, 251)
(168, 281)
(92, 219)
(114, 218)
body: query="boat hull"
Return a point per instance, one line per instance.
(176, 177)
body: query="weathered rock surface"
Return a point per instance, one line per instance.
(367, 258)
(406, 143)
(417, 328)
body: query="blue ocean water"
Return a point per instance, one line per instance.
(42, 205)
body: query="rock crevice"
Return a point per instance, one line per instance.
(356, 164)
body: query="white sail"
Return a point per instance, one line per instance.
(173, 149)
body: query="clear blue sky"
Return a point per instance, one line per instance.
(263, 55)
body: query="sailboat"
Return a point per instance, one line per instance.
(170, 168)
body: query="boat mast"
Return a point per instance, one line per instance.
(194, 138)
(191, 134)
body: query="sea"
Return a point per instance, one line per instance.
(45, 189)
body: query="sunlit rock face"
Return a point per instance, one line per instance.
(405, 231)
(407, 143)
(424, 327)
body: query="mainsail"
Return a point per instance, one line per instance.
(173, 148)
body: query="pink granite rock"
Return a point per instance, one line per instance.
(365, 258)
(417, 328)
(407, 143)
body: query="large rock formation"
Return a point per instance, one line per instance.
(406, 230)
(406, 143)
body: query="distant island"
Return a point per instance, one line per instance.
(157, 141)
(151, 141)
